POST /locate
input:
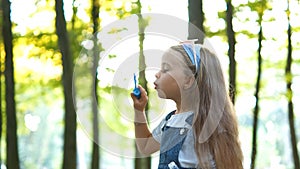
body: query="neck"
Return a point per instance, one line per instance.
(183, 105)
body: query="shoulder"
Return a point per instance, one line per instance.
(157, 131)
(181, 120)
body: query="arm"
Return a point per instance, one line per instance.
(144, 140)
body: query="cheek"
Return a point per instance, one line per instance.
(168, 78)
(177, 78)
(171, 83)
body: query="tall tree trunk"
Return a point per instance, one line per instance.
(145, 162)
(288, 75)
(95, 148)
(231, 49)
(196, 17)
(1, 73)
(12, 155)
(1, 116)
(1, 121)
(74, 8)
(69, 157)
(256, 94)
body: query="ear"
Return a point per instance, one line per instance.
(189, 81)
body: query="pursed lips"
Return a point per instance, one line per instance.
(155, 85)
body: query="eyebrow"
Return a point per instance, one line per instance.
(165, 63)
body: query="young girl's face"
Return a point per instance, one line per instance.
(171, 77)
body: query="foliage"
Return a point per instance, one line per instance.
(38, 76)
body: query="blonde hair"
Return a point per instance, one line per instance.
(215, 124)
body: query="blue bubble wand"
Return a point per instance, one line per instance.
(136, 91)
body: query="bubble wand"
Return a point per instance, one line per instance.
(136, 91)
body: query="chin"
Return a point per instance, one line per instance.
(161, 94)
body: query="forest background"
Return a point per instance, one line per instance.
(43, 42)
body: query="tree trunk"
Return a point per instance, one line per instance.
(69, 156)
(231, 50)
(12, 155)
(1, 121)
(74, 8)
(288, 75)
(144, 162)
(196, 17)
(1, 73)
(95, 148)
(257, 90)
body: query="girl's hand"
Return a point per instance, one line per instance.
(140, 104)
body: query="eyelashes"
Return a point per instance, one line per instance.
(165, 68)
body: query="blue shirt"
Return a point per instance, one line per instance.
(187, 156)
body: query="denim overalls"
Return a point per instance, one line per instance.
(171, 143)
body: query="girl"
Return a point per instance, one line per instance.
(202, 132)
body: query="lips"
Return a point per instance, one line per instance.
(155, 85)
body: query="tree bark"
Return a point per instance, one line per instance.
(196, 17)
(256, 94)
(288, 75)
(1, 112)
(231, 49)
(95, 147)
(69, 156)
(144, 162)
(12, 155)
(74, 8)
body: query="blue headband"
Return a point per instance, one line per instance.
(193, 51)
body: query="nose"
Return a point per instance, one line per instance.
(157, 75)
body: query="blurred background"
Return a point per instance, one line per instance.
(51, 57)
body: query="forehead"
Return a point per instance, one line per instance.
(173, 57)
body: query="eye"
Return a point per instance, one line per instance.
(165, 68)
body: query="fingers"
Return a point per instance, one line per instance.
(140, 103)
(144, 96)
(133, 96)
(143, 91)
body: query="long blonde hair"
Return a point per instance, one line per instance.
(215, 124)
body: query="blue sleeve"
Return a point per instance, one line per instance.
(157, 132)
